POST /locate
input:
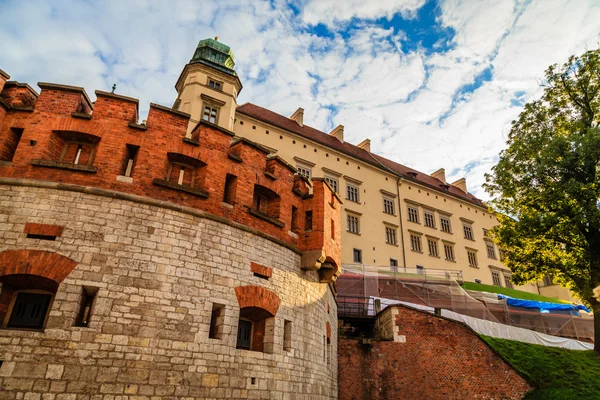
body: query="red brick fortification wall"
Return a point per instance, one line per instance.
(440, 359)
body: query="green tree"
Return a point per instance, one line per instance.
(546, 184)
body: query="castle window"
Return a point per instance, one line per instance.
(352, 193)
(9, 143)
(266, 201)
(304, 171)
(88, 295)
(230, 189)
(357, 256)
(333, 182)
(308, 220)
(413, 214)
(215, 84)
(445, 224)
(217, 318)
(393, 265)
(295, 226)
(287, 335)
(433, 247)
(496, 278)
(353, 225)
(472, 257)
(244, 336)
(256, 328)
(415, 243)
(429, 219)
(468, 231)
(491, 252)
(390, 235)
(507, 282)
(25, 301)
(130, 158)
(210, 114)
(388, 205)
(449, 252)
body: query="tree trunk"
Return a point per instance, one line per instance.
(596, 310)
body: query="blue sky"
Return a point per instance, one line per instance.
(432, 83)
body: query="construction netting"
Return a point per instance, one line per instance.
(442, 290)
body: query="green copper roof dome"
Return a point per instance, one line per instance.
(214, 54)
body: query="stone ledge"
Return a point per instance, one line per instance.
(191, 141)
(181, 188)
(260, 215)
(234, 157)
(270, 175)
(64, 165)
(81, 115)
(137, 126)
(113, 194)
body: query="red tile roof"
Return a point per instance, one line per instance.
(323, 138)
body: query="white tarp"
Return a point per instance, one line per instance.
(498, 330)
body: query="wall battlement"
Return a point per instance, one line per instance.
(61, 136)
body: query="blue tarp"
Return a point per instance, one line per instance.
(541, 305)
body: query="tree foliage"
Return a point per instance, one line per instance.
(547, 182)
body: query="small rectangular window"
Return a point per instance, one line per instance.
(9, 147)
(429, 219)
(308, 222)
(88, 295)
(333, 182)
(295, 227)
(130, 158)
(352, 193)
(496, 278)
(287, 335)
(420, 269)
(413, 214)
(357, 255)
(353, 224)
(415, 243)
(210, 114)
(214, 84)
(393, 265)
(449, 252)
(304, 171)
(244, 335)
(433, 248)
(217, 317)
(507, 282)
(468, 231)
(29, 310)
(390, 236)
(388, 206)
(333, 229)
(445, 224)
(548, 281)
(472, 256)
(491, 252)
(229, 192)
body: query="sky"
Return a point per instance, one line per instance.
(433, 83)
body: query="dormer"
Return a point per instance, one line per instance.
(365, 145)
(298, 116)
(338, 133)
(208, 86)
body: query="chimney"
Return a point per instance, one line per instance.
(338, 133)
(439, 174)
(461, 184)
(298, 116)
(365, 145)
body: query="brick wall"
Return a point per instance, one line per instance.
(63, 115)
(158, 273)
(441, 359)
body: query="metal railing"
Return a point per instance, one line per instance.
(357, 307)
(398, 272)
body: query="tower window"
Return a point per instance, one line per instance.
(210, 114)
(85, 310)
(215, 85)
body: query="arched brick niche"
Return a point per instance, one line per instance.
(30, 279)
(258, 307)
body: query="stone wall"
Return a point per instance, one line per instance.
(158, 272)
(429, 358)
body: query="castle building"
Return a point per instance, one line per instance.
(393, 216)
(148, 260)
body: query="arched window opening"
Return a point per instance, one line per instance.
(25, 301)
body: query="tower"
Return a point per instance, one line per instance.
(208, 86)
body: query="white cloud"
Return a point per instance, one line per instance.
(407, 101)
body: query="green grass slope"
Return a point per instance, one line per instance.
(556, 374)
(517, 294)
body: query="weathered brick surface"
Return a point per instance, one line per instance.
(441, 359)
(158, 273)
(261, 270)
(43, 229)
(63, 115)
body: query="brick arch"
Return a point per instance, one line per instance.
(46, 264)
(258, 297)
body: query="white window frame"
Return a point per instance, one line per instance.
(496, 279)
(412, 214)
(391, 235)
(445, 218)
(468, 231)
(472, 258)
(429, 222)
(491, 251)
(355, 191)
(333, 182)
(353, 223)
(304, 170)
(449, 251)
(415, 243)
(389, 205)
(432, 247)
(213, 113)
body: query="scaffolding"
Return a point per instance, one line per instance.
(442, 289)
